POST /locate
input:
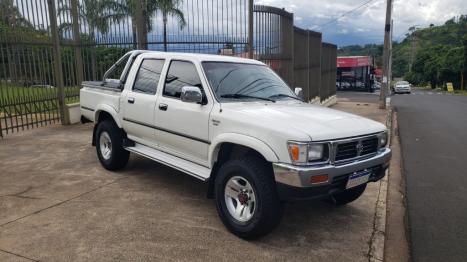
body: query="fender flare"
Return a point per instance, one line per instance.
(242, 140)
(108, 109)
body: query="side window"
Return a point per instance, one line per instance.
(148, 76)
(180, 74)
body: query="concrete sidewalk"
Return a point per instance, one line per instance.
(58, 204)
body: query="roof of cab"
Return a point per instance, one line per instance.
(200, 57)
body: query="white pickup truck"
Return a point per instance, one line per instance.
(235, 124)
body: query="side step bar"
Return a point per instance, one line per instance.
(183, 165)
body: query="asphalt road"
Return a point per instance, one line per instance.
(355, 96)
(433, 132)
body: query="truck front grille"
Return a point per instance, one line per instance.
(356, 148)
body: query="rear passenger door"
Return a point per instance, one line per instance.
(182, 128)
(140, 102)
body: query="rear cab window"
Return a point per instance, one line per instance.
(148, 76)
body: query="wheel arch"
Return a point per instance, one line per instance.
(243, 141)
(104, 113)
(231, 147)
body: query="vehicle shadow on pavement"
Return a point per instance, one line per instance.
(307, 227)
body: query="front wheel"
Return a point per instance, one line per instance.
(246, 198)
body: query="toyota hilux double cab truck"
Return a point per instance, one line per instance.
(236, 125)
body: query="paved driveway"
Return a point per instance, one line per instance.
(58, 204)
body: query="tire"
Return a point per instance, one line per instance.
(262, 209)
(116, 157)
(348, 195)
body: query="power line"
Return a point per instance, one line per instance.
(344, 14)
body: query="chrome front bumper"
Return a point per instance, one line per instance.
(299, 176)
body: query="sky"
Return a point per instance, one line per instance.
(366, 24)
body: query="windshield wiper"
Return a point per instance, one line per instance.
(247, 96)
(284, 95)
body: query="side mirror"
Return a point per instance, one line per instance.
(299, 92)
(191, 94)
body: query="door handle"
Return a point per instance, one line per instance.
(131, 100)
(163, 107)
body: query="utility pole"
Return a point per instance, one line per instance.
(413, 43)
(386, 55)
(390, 53)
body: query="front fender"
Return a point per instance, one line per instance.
(243, 140)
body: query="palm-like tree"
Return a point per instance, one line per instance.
(150, 9)
(170, 8)
(166, 7)
(97, 14)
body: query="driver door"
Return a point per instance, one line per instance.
(183, 128)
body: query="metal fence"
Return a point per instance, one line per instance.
(48, 47)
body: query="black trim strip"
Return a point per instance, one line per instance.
(87, 108)
(168, 131)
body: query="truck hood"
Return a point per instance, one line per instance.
(318, 122)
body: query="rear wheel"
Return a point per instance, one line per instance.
(246, 198)
(348, 195)
(109, 138)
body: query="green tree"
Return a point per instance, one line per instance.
(11, 16)
(166, 7)
(170, 8)
(149, 9)
(98, 14)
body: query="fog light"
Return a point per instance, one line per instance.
(318, 179)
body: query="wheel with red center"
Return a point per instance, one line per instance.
(246, 197)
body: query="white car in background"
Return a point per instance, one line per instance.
(402, 87)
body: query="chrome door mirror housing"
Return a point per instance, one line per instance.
(191, 94)
(299, 92)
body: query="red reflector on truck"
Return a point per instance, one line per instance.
(319, 179)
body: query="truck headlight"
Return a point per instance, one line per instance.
(382, 139)
(315, 152)
(303, 153)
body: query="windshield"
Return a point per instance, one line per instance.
(402, 83)
(237, 81)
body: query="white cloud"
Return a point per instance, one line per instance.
(367, 23)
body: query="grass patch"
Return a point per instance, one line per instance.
(461, 92)
(17, 100)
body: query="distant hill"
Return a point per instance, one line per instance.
(373, 50)
(438, 54)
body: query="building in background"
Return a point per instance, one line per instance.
(355, 73)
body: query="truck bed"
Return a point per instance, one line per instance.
(95, 95)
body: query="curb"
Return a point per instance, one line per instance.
(376, 251)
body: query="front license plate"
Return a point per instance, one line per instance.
(357, 179)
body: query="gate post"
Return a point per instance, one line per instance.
(1, 129)
(77, 42)
(250, 28)
(57, 58)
